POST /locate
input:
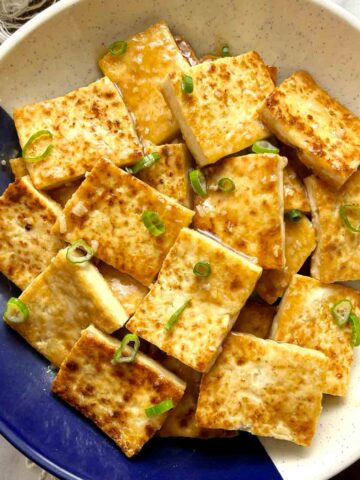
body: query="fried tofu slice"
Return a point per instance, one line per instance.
(111, 203)
(18, 167)
(337, 255)
(169, 175)
(299, 243)
(115, 397)
(325, 133)
(263, 387)
(211, 303)
(126, 289)
(26, 242)
(304, 318)
(150, 56)
(295, 196)
(62, 194)
(222, 114)
(86, 124)
(63, 300)
(249, 219)
(255, 318)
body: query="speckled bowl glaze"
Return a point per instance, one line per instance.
(58, 51)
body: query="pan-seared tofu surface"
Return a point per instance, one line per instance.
(212, 302)
(62, 301)
(325, 133)
(249, 219)
(255, 318)
(18, 167)
(26, 242)
(115, 397)
(169, 174)
(110, 204)
(222, 114)
(150, 56)
(305, 318)
(86, 124)
(295, 196)
(337, 255)
(62, 194)
(266, 388)
(299, 243)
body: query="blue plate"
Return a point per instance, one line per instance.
(63, 442)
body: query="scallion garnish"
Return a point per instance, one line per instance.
(175, 316)
(72, 255)
(153, 223)
(159, 408)
(263, 146)
(341, 311)
(225, 51)
(118, 355)
(187, 84)
(355, 324)
(202, 269)
(294, 215)
(16, 311)
(226, 185)
(345, 210)
(32, 139)
(118, 48)
(144, 162)
(198, 182)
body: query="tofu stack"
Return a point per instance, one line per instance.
(157, 225)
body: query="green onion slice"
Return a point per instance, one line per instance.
(32, 139)
(144, 162)
(119, 357)
(263, 146)
(198, 182)
(72, 255)
(187, 84)
(345, 211)
(118, 48)
(175, 316)
(153, 223)
(226, 185)
(225, 51)
(294, 215)
(202, 269)
(341, 311)
(16, 311)
(355, 324)
(159, 408)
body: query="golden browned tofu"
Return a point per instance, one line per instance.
(63, 300)
(325, 133)
(169, 174)
(126, 289)
(295, 197)
(255, 318)
(107, 208)
(62, 194)
(211, 304)
(150, 56)
(18, 167)
(337, 255)
(86, 124)
(222, 114)
(263, 387)
(115, 397)
(305, 318)
(299, 243)
(26, 242)
(249, 219)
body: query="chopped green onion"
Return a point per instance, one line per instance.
(144, 162)
(341, 311)
(202, 269)
(355, 324)
(225, 51)
(73, 257)
(118, 48)
(16, 311)
(32, 139)
(118, 356)
(153, 223)
(175, 316)
(159, 408)
(187, 84)
(294, 215)
(198, 182)
(226, 185)
(263, 146)
(344, 212)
